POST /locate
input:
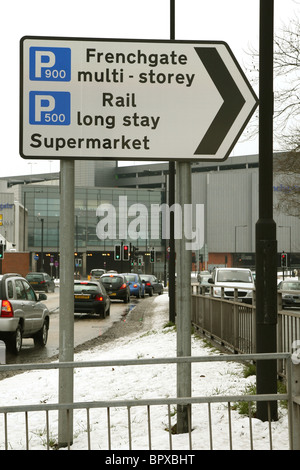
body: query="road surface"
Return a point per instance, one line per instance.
(86, 327)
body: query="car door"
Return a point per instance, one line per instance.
(23, 308)
(35, 309)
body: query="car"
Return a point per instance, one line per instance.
(91, 297)
(41, 281)
(136, 286)
(22, 313)
(96, 273)
(230, 279)
(116, 286)
(290, 293)
(203, 278)
(152, 284)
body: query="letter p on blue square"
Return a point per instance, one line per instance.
(50, 108)
(52, 64)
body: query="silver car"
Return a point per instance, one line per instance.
(22, 314)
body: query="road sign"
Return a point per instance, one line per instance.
(121, 99)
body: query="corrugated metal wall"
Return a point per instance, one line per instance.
(231, 212)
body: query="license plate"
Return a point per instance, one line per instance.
(82, 296)
(33, 282)
(112, 293)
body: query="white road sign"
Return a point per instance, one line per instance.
(118, 99)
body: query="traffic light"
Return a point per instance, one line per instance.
(1, 251)
(152, 256)
(117, 255)
(283, 260)
(125, 252)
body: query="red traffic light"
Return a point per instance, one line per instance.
(125, 252)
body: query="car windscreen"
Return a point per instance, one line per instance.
(290, 286)
(234, 276)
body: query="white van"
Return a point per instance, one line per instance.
(231, 278)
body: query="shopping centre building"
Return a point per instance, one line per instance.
(226, 192)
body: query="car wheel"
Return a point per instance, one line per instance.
(127, 299)
(151, 293)
(41, 338)
(15, 342)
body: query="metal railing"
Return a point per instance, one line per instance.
(232, 323)
(115, 406)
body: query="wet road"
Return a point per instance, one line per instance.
(86, 327)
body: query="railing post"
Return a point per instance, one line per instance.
(295, 379)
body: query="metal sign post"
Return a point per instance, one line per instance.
(266, 244)
(66, 299)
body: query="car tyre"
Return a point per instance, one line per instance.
(41, 338)
(15, 342)
(151, 293)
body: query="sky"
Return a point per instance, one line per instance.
(233, 21)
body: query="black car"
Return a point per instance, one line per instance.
(22, 314)
(152, 285)
(41, 281)
(91, 297)
(116, 286)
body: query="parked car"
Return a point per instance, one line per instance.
(136, 286)
(96, 274)
(290, 293)
(152, 284)
(41, 281)
(116, 286)
(91, 297)
(231, 278)
(22, 314)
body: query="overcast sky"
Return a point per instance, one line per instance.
(233, 21)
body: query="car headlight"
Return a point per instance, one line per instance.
(217, 291)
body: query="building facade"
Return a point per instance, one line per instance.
(227, 191)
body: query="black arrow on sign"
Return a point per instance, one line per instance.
(232, 105)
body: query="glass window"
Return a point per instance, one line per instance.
(20, 290)
(30, 295)
(10, 290)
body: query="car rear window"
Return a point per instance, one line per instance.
(34, 277)
(130, 278)
(86, 288)
(97, 272)
(115, 280)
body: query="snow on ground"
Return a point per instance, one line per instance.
(137, 382)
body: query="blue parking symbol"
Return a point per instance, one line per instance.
(50, 108)
(52, 64)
